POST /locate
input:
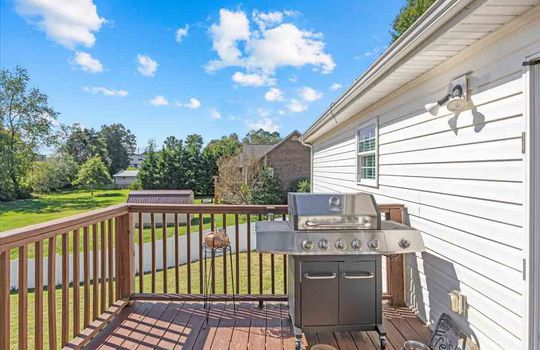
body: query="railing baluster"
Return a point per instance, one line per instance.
(141, 253)
(38, 296)
(103, 256)
(86, 273)
(188, 255)
(213, 261)
(176, 256)
(164, 245)
(23, 297)
(200, 253)
(272, 265)
(224, 257)
(284, 218)
(65, 289)
(248, 253)
(95, 273)
(260, 268)
(76, 286)
(153, 239)
(111, 261)
(4, 300)
(237, 252)
(51, 292)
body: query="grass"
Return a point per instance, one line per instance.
(14, 333)
(47, 207)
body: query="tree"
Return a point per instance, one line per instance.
(236, 181)
(120, 143)
(84, 143)
(55, 173)
(93, 173)
(150, 172)
(226, 146)
(268, 189)
(262, 137)
(26, 122)
(407, 15)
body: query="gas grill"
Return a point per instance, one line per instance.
(334, 244)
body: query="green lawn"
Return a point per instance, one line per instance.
(147, 286)
(47, 207)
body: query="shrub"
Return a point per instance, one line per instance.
(268, 189)
(56, 173)
(300, 185)
(135, 185)
(93, 173)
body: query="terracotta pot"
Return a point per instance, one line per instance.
(217, 239)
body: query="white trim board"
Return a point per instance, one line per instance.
(532, 251)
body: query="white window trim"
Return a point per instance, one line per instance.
(368, 182)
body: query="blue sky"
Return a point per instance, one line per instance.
(231, 67)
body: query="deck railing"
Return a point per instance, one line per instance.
(136, 251)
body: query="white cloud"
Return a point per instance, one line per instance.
(373, 52)
(273, 95)
(232, 27)
(308, 94)
(264, 123)
(296, 106)
(214, 113)
(263, 112)
(335, 86)
(181, 33)
(270, 45)
(67, 22)
(281, 112)
(159, 101)
(105, 91)
(87, 63)
(253, 79)
(192, 104)
(147, 66)
(293, 78)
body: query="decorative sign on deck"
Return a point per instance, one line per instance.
(447, 335)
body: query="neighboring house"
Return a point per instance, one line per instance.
(467, 178)
(288, 159)
(161, 197)
(135, 160)
(124, 178)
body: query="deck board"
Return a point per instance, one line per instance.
(182, 325)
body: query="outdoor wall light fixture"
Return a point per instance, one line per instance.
(456, 100)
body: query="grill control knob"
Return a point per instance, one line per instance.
(356, 244)
(404, 243)
(340, 244)
(373, 244)
(307, 244)
(323, 244)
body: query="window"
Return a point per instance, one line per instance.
(367, 149)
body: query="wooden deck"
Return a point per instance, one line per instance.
(181, 325)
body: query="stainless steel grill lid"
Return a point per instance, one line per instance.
(308, 211)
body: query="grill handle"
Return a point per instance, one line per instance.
(320, 277)
(335, 224)
(358, 277)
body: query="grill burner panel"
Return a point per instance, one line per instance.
(393, 238)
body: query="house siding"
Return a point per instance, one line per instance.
(290, 161)
(461, 178)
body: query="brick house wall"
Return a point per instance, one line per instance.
(290, 160)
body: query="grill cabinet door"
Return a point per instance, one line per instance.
(319, 293)
(357, 293)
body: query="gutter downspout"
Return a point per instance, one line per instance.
(331, 110)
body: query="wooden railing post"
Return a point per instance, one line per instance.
(396, 266)
(125, 256)
(4, 300)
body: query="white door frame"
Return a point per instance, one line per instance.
(532, 227)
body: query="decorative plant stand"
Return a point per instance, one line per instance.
(208, 275)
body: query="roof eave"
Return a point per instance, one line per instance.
(434, 18)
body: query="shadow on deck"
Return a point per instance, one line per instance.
(181, 325)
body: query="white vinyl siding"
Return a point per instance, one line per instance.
(461, 177)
